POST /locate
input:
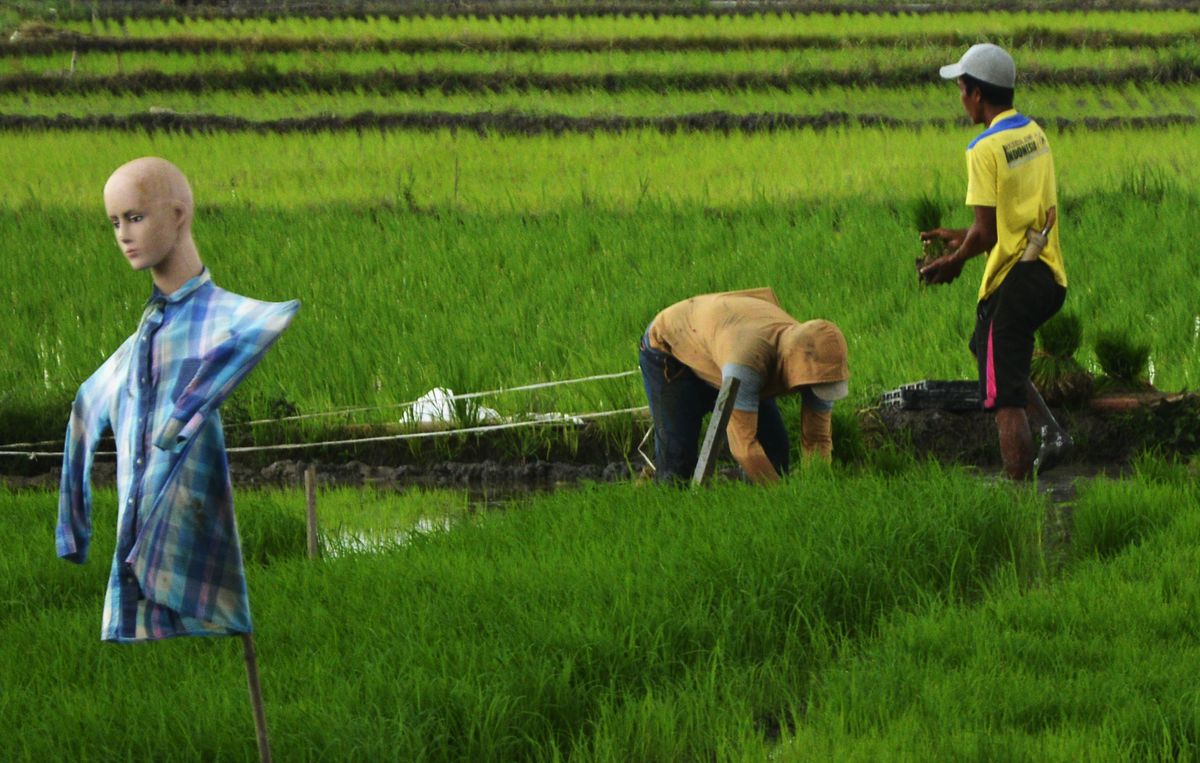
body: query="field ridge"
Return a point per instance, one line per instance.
(599, 9)
(66, 42)
(531, 123)
(388, 81)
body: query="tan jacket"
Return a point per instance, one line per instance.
(749, 328)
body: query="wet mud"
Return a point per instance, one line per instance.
(1108, 432)
(1108, 435)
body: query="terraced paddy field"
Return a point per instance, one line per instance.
(487, 200)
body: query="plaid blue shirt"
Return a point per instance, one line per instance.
(177, 569)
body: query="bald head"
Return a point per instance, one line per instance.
(149, 204)
(155, 181)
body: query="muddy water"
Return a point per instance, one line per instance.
(348, 542)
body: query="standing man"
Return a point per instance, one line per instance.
(692, 346)
(1011, 187)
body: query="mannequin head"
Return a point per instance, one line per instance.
(149, 204)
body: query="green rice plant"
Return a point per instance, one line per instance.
(987, 24)
(1030, 674)
(1117, 515)
(1048, 104)
(612, 623)
(1062, 335)
(1148, 183)
(504, 318)
(1123, 360)
(503, 173)
(927, 215)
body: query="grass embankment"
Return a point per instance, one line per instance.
(613, 623)
(984, 22)
(1098, 666)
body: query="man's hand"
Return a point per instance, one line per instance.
(950, 237)
(943, 269)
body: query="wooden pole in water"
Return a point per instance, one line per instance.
(310, 494)
(256, 702)
(714, 438)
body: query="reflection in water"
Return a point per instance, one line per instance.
(344, 541)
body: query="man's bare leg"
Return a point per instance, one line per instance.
(1016, 443)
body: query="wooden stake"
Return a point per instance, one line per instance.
(310, 493)
(256, 702)
(714, 438)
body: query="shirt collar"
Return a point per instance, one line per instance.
(183, 292)
(1002, 116)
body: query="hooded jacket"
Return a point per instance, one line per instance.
(712, 332)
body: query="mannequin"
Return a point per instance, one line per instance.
(177, 569)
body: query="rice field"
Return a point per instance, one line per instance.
(478, 201)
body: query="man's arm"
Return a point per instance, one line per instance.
(742, 430)
(747, 450)
(976, 240)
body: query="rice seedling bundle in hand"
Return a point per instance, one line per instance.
(927, 215)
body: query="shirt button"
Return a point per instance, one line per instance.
(139, 461)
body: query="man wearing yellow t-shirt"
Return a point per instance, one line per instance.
(1010, 185)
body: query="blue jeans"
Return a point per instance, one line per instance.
(679, 401)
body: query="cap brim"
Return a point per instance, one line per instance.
(951, 71)
(832, 390)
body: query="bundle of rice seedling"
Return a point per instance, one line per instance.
(1054, 371)
(1125, 363)
(927, 215)
(1062, 335)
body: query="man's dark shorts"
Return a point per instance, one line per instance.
(1005, 324)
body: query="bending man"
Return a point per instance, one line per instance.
(693, 345)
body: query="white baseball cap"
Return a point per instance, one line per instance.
(987, 63)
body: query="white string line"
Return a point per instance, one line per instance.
(380, 438)
(31, 444)
(344, 411)
(464, 396)
(438, 433)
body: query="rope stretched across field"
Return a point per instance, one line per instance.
(448, 398)
(6, 450)
(378, 438)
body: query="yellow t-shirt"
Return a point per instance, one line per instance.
(1010, 167)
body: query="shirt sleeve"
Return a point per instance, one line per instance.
(981, 177)
(222, 369)
(749, 389)
(90, 417)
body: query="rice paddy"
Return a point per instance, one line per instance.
(479, 201)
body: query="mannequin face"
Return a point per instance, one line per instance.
(147, 228)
